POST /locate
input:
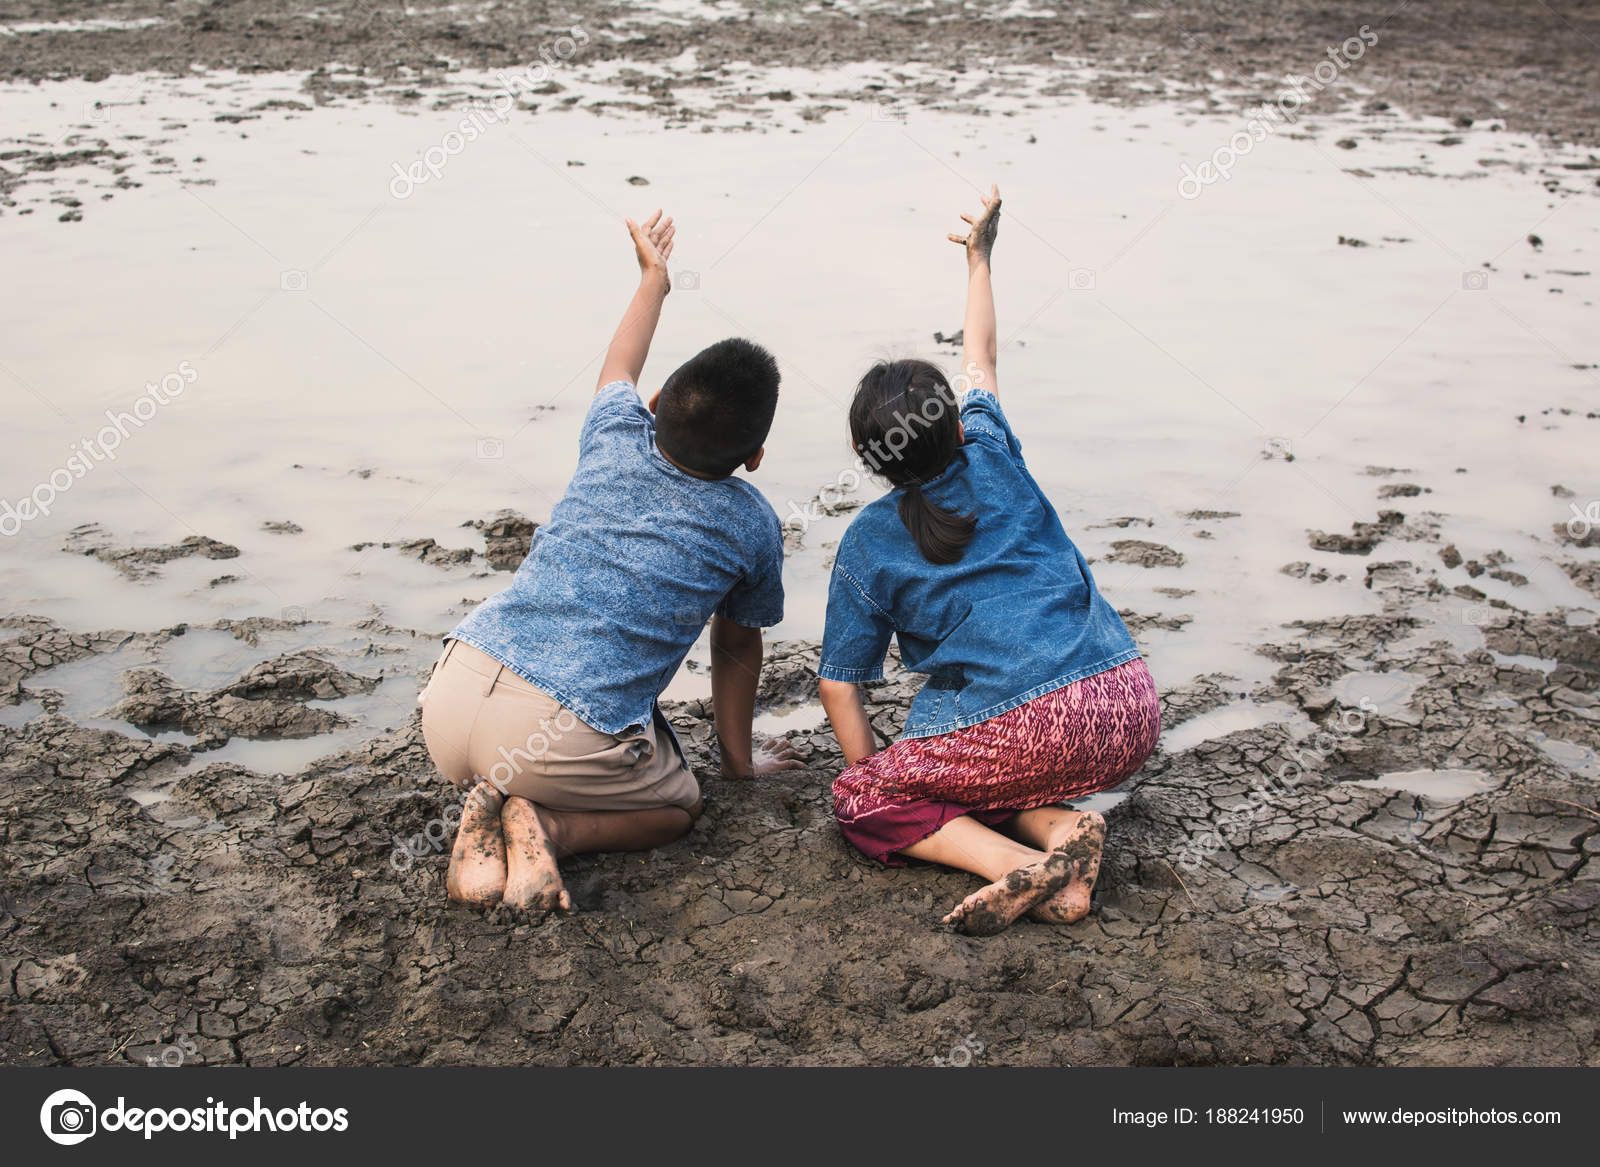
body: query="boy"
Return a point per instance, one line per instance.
(545, 696)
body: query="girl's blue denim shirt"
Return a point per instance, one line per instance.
(1017, 617)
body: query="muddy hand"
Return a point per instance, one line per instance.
(768, 757)
(773, 755)
(979, 239)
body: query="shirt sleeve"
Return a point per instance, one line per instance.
(756, 601)
(856, 636)
(616, 408)
(984, 421)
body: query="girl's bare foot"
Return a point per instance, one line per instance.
(533, 882)
(477, 875)
(992, 909)
(1082, 840)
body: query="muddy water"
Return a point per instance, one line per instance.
(378, 368)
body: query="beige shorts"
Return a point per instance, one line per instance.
(482, 721)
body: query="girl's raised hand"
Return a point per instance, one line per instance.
(979, 240)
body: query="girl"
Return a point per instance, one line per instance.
(1035, 691)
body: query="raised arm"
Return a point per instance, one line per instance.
(979, 348)
(630, 344)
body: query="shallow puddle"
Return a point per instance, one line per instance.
(1231, 718)
(1439, 785)
(1386, 694)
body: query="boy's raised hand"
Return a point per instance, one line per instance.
(630, 344)
(652, 239)
(979, 241)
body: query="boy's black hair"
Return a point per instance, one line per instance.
(716, 407)
(905, 424)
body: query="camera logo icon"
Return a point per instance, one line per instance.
(1583, 521)
(1081, 279)
(1474, 281)
(490, 448)
(68, 1117)
(293, 280)
(686, 281)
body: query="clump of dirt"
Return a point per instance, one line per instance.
(828, 502)
(1144, 554)
(1364, 537)
(1585, 535)
(1301, 569)
(267, 701)
(426, 550)
(142, 562)
(506, 538)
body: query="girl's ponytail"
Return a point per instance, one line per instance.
(940, 533)
(905, 424)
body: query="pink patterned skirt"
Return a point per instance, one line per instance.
(1082, 738)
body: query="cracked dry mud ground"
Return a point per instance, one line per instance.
(260, 920)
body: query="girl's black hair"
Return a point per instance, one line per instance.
(906, 426)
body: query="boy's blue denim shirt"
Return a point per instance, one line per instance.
(1018, 617)
(635, 559)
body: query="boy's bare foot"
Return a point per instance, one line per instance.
(1081, 838)
(477, 875)
(992, 909)
(533, 882)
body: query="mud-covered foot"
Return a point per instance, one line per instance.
(477, 875)
(533, 882)
(1082, 840)
(992, 909)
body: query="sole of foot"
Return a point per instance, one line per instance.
(533, 881)
(994, 908)
(477, 875)
(1083, 842)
